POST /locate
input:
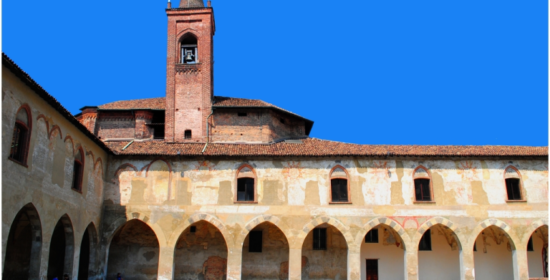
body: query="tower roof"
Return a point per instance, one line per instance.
(191, 4)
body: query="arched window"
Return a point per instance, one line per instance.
(339, 185)
(246, 184)
(78, 169)
(21, 136)
(422, 184)
(513, 183)
(189, 52)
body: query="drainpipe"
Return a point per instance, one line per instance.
(207, 131)
(125, 147)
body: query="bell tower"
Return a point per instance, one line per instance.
(189, 71)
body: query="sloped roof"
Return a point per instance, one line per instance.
(313, 147)
(158, 103)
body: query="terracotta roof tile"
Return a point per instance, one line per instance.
(312, 147)
(220, 101)
(157, 103)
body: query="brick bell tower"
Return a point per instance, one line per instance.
(189, 71)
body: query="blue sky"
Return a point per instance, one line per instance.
(370, 72)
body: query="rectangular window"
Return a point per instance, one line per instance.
(339, 189)
(512, 187)
(319, 239)
(187, 134)
(241, 114)
(255, 241)
(372, 269)
(422, 190)
(19, 144)
(193, 229)
(77, 174)
(425, 242)
(372, 236)
(245, 189)
(530, 245)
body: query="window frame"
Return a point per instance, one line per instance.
(521, 189)
(181, 46)
(429, 177)
(27, 140)
(81, 175)
(325, 242)
(236, 184)
(339, 177)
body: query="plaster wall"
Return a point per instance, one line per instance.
(492, 260)
(46, 180)
(442, 262)
(391, 258)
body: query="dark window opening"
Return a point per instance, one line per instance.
(189, 51)
(339, 189)
(158, 124)
(19, 143)
(512, 187)
(319, 239)
(422, 189)
(255, 241)
(187, 134)
(530, 245)
(372, 236)
(425, 242)
(475, 247)
(372, 269)
(282, 120)
(245, 189)
(77, 172)
(240, 114)
(193, 229)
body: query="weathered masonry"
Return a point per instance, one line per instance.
(201, 187)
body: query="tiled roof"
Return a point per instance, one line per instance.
(312, 147)
(157, 103)
(42, 93)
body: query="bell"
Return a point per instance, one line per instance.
(189, 57)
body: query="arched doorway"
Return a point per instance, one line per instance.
(439, 254)
(22, 260)
(133, 252)
(201, 253)
(493, 255)
(265, 253)
(382, 254)
(61, 256)
(537, 253)
(86, 266)
(324, 254)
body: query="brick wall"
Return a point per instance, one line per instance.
(142, 130)
(115, 125)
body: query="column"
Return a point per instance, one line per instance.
(467, 263)
(411, 262)
(354, 262)
(521, 269)
(234, 262)
(166, 263)
(295, 264)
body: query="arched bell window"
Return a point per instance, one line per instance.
(189, 53)
(513, 182)
(21, 136)
(339, 185)
(246, 184)
(422, 185)
(78, 170)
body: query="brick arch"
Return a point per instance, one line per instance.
(186, 31)
(91, 153)
(146, 168)
(330, 221)
(197, 217)
(382, 221)
(41, 116)
(98, 162)
(68, 137)
(531, 229)
(122, 166)
(493, 222)
(437, 221)
(56, 127)
(254, 222)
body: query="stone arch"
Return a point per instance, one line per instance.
(531, 229)
(437, 221)
(88, 253)
(253, 223)
(331, 221)
(197, 217)
(33, 270)
(116, 225)
(493, 222)
(63, 233)
(382, 221)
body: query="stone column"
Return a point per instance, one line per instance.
(234, 262)
(467, 263)
(166, 263)
(354, 262)
(295, 264)
(411, 262)
(521, 269)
